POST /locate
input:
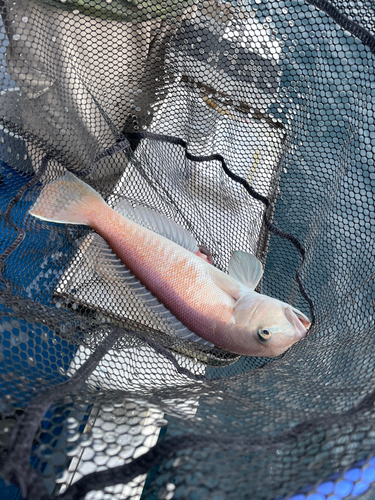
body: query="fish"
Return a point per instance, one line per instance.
(223, 309)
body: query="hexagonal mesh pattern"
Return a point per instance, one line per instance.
(251, 124)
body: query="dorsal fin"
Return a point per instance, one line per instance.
(245, 268)
(158, 223)
(112, 271)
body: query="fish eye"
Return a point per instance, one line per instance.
(264, 335)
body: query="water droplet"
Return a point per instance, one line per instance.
(25, 19)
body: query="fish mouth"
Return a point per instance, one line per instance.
(302, 318)
(300, 322)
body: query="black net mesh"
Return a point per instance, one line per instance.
(249, 123)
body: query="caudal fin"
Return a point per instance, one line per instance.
(67, 200)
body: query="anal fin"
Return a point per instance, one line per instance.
(226, 283)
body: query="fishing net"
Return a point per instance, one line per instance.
(251, 124)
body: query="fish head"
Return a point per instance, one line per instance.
(268, 327)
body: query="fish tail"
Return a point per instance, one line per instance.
(67, 200)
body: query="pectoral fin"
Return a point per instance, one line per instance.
(245, 268)
(226, 283)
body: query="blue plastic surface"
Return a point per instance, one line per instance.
(359, 489)
(368, 474)
(353, 474)
(326, 488)
(343, 488)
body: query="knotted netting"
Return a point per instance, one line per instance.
(249, 123)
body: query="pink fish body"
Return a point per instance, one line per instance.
(219, 308)
(180, 280)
